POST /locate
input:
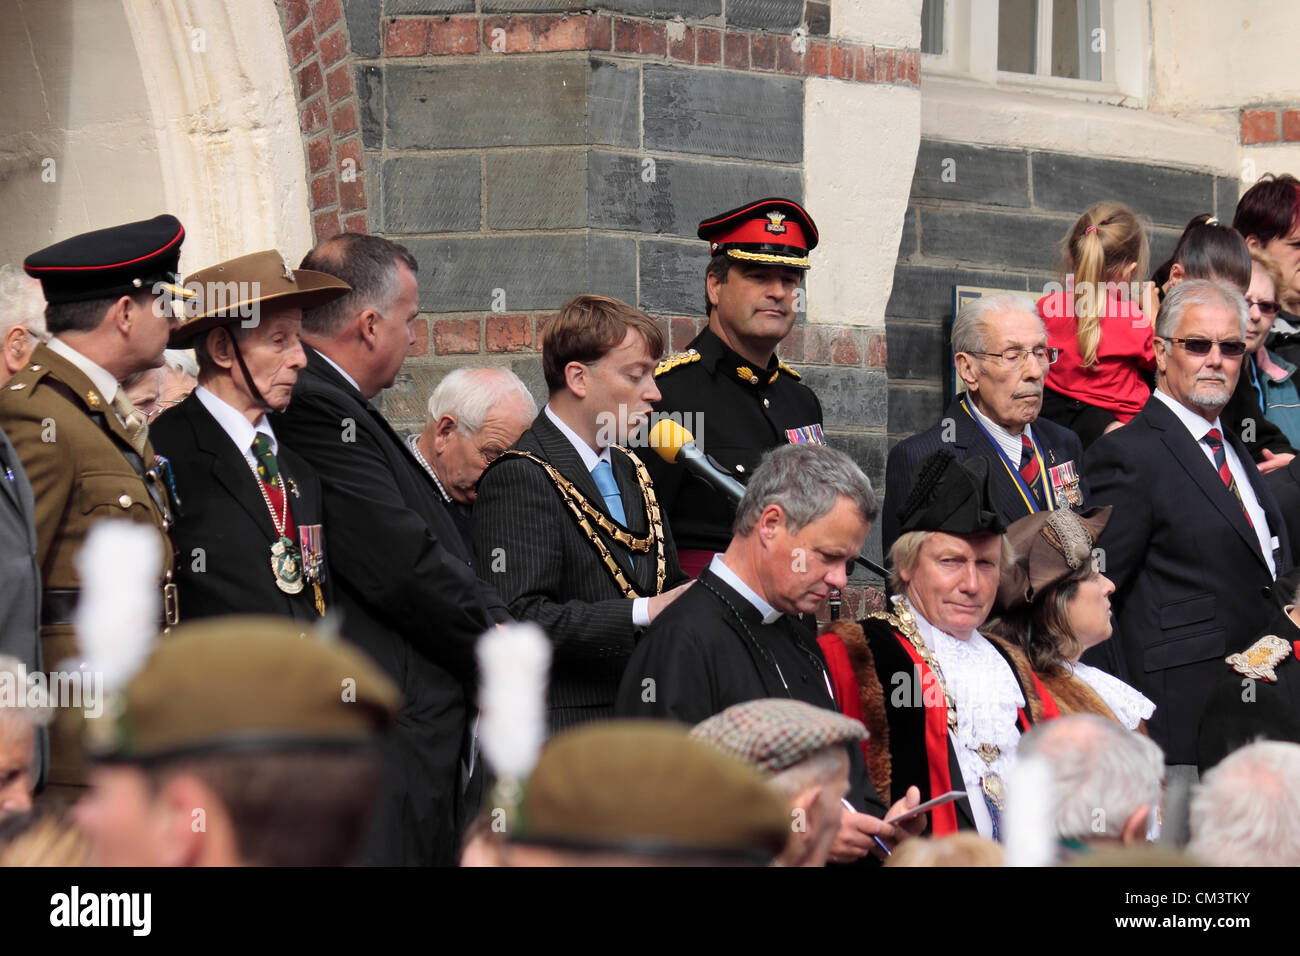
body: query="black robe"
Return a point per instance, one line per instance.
(696, 660)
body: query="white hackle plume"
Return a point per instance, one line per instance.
(1028, 824)
(121, 600)
(514, 662)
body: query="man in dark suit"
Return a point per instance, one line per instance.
(1196, 540)
(405, 581)
(1002, 357)
(248, 504)
(566, 525)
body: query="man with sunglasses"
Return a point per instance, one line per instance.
(1001, 360)
(1197, 538)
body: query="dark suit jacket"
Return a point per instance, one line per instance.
(20, 578)
(965, 439)
(531, 548)
(1191, 583)
(410, 598)
(224, 514)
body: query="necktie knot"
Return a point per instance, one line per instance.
(268, 469)
(603, 475)
(1214, 438)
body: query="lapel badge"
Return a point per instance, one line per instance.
(288, 273)
(775, 223)
(747, 374)
(293, 486)
(92, 399)
(1258, 660)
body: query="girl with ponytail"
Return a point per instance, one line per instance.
(1099, 325)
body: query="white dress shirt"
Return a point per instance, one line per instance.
(1198, 427)
(590, 457)
(240, 430)
(1010, 444)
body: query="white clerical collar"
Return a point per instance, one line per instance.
(99, 376)
(770, 614)
(339, 368)
(1010, 444)
(233, 423)
(1193, 422)
(589, 456)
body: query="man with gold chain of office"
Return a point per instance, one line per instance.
(728, 388)
(85, 449)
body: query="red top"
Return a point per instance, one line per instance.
(1125, 349)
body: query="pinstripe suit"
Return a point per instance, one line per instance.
(1058, 445)
(532, 550)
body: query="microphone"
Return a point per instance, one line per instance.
(675, 445)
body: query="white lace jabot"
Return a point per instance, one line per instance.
(1129, 705)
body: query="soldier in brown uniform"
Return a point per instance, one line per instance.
(84, 448)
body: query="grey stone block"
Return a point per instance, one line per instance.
(817, 17)
(537, 190)
(672, 277)
(1162, 242)
(1227, 192)
(551, 102)
(431, 194)
(680, 193)
(392, 7)
(363, 25)
(913, 409)
(533, 272)
(849, 396)
(751, 116)
(1073, 183)
(370, 100)
(765, 14)
(992, 238)
(530, 373)
(612, 92)
(868, 450)
(907, 242)
(925, 292)
(917, 351)
(995, 177)
(691, 9)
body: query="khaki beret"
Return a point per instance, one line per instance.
(775, 733)
(646, 788)
(243, 683)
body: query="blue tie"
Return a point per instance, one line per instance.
(604, 476)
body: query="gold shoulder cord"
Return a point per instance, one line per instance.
(584, 512)
(905, 624)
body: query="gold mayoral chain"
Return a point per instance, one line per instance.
(284, 555)
(585, 513)
(903, 618)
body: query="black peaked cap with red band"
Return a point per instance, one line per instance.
(120, 260)
(775, 232)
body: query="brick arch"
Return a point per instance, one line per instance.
(316, 37)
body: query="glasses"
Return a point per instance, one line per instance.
(1045, 355)
(1230, 349)
(1267, 308)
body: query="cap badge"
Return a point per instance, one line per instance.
(288, 273)
(775, 223)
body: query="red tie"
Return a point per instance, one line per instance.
(1029, 466)
(1214, 438)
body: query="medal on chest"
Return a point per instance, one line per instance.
(286, 566)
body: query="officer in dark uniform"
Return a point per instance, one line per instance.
(728, 388)
(84, 448)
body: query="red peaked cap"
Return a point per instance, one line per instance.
(770, 231)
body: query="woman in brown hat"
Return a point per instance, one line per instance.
(1055, 604)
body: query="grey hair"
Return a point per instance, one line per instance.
(179, 360)
(819, 768)
(33, 708)
(1246, 810)
(970, 329)
(1202, 292)
(805, 480)
(1101, 773)
(468, 394)
(21, 302)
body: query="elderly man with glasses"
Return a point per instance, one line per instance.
(1197, 538)
(1001, 359)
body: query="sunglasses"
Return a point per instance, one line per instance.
(1203, 346)
(1266, 307)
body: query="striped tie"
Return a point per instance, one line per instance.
(1029, 466)
(1214, 438)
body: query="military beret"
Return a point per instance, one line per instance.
(243, 683)
(774, 734)
(233, 291)
(950, 496)
(771, 231)
(120, 260)
(1049, 547)
(646, 788)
